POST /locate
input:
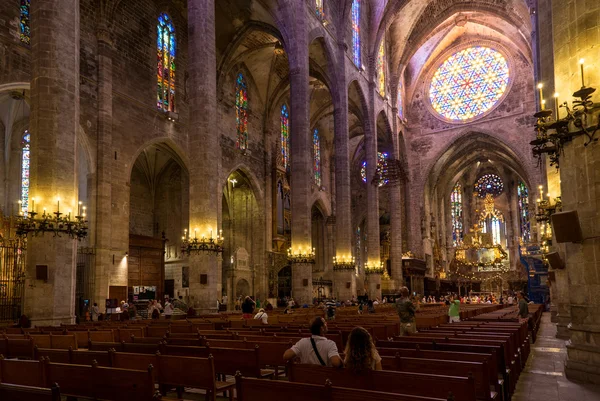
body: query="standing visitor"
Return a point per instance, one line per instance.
(406, 312)
(247, 308)
(454, 310)
(523, 308)
(330, 307)
(258, 303)
(361, 354)
(317, 349)
(95, 312)
(168, 309)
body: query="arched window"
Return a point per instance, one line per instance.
(381, 69)
(165, 65)
(24, 30)
(381, 163)
(319, 9)
(523, 199)
(456, 213)
(400, 107)
(489, 184)
(317, 157)
(25, 160)
(285, 137)
(356, 32)
(496, 230)
(241, 112)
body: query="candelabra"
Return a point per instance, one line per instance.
(202, 245)
(374, 268)
(57, 223)
(344, 263)
(545, 209)
(552, 132)
(301, 255)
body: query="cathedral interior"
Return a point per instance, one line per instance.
(213, 149)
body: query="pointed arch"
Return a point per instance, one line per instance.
(165, 64)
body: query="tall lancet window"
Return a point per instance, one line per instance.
(356, 32)
(241, 112)
(456, 210)
(25, 164)
(317, 157)
(319, 9)
(400, 107)
(24, 31)
(285, 137)
(523, 200)
(381, 69)
(165, 64)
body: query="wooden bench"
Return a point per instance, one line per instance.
(249, 389)
(418, 384)
(15, 392)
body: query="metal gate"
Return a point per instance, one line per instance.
(86, 280)
(12, 279)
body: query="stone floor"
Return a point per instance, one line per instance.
(544, 376)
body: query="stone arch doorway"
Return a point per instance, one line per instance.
(242, 288)
(284, 283)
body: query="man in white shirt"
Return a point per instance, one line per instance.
(317, 349)
(262, 316)
(511, 300)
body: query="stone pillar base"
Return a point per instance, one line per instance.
(583, 363)
(341, 280)
(374, 285)
(302, 290)
(206, 282)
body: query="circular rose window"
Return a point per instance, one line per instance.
(469, 83)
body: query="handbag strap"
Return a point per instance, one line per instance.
(312, 341)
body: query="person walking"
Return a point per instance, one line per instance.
(168, 309)
(317, 349)
(95, 312)
(406, 311)
(454, 310)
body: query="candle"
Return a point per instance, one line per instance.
(44, 212)
(540, 86)
(195, 231)
(556, 104)
(581, 61)
(79, 209)
(58, 205)
(211, 233)
(69, 215)
(33, 204)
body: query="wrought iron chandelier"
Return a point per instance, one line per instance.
(202, 245)
(57, 223)
(374, 268)
(301, 255)
(344, 263)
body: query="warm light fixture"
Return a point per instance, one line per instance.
(56, 222)
(203, 244)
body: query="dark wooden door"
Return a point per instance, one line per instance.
(170, 288)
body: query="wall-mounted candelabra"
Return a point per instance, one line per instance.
(57, 223)
(344, 263)
(301, 255)
(553, 131)
(202, 244)
(374, 268)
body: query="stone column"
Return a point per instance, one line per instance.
(102, 199)
(343, 202)
(396, 212)
(373, 252)
(205, 151)
(53, 126)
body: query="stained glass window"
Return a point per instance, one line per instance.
(469, 83)
(319, 9)
(25, 160)
(523, 200)
(285, 137)
(381, 163)
(165, 70)
(495, 230)
(489, 184)
(381, 69)
(356, 32)
(24, 31)
(241, 112)
(317, 157)
(456, 213)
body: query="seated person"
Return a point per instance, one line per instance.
(261, 315)
(317, 349)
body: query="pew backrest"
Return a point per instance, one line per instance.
(15, 392)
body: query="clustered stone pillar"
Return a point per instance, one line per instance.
(301, 156)
(205, 150)
(373, 252)
(53, 125)
(345, 279)
(396, 214)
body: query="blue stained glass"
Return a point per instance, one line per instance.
(356, 32)
(523, 202)
(285, 137)
(317, 157)
(469, 83)
(456, 214)
(24, 29)
(241, 112)
(489, 184)
(25, 165)
(381, 160)
(165, 68)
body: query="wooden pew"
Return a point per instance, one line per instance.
(424, 385)
(249, 389)
(15, 392)
(23, 373)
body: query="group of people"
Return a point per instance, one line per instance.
(155, 308)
